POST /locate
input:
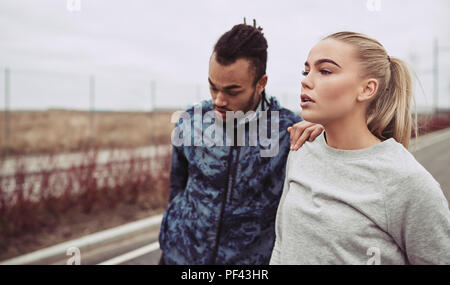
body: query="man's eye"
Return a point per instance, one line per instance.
(325, 72)
(233, 93)
(304, 73)
(213, 89)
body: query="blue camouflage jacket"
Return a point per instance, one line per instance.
(223, 199)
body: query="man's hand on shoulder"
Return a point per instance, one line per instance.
(303, 131)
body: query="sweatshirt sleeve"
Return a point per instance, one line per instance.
(276, 258)
(419, 219)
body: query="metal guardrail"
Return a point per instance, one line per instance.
(53, 254)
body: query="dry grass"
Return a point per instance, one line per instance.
(54, 131)
(110, 194)
(94, 197)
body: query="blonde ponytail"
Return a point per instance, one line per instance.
(389, 115)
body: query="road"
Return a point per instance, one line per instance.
(433, 153)
(436, 159)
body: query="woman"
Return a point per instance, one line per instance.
(356, 195)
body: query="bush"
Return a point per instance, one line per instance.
(31, 200)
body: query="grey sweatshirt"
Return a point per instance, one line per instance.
(376, 205)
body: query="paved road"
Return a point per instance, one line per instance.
(436, 159)
(148, 259)
(433, 153)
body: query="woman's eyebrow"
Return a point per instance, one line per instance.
(322, 61)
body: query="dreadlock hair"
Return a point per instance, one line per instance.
(244, 41)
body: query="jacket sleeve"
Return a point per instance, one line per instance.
(419, 219)
(178, 172)
(179, 166)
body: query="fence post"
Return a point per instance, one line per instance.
(6, 114)
(91, 108)
(152, 112)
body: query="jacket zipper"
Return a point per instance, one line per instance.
(222, 210)
(233, 177)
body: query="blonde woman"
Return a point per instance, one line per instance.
(355, 195)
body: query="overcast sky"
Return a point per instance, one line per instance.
(51, 50)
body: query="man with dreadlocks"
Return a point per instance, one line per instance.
(223, 199)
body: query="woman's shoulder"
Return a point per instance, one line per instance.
(308, 148)
(409, 178)
(404, 161)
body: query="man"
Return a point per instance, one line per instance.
(224, 196)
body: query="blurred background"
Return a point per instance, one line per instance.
(88, 88)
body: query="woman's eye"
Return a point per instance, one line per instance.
(304, 73)
(325, 72)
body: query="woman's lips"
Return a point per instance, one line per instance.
(306, 101)
(306, 104)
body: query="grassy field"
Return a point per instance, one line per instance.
(43, 208)
(55, 131)
(82, 199)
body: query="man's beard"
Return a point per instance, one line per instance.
(251, 103)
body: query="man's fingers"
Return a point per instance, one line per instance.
(296, 130)
(292, 134)
(315, 133)
(295, 134)
(302, 139)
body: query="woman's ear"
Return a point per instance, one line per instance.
(368, 90)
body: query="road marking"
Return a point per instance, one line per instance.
(132, 254)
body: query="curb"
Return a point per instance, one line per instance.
(59, 252)
(429, 139)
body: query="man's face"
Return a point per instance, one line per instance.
(232, 87)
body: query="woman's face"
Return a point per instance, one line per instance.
(332, 80)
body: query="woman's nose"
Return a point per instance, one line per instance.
(306, 83)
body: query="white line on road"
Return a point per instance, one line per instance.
(132, 254)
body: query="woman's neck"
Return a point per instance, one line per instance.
(349, 135)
